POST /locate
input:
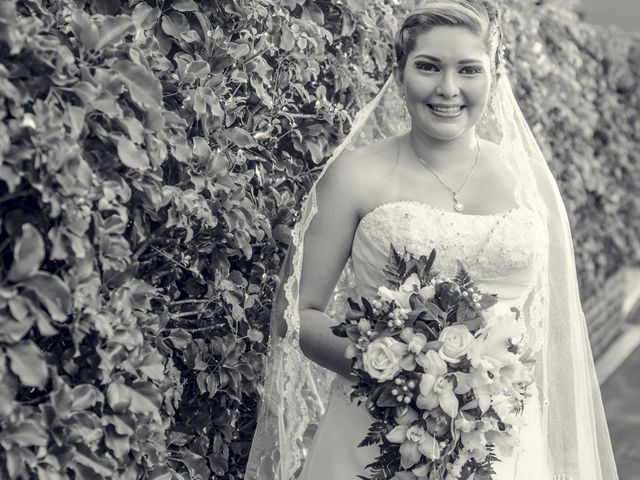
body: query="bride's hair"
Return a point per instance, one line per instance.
(482, 17)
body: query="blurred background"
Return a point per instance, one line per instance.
(153, 159)
(623, 14)
(619, 363)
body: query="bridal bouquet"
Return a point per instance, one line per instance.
(443, 370)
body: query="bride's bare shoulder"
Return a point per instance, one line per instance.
(369, 164)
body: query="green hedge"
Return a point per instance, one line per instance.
(152, 161)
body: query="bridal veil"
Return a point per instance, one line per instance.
(296, 389)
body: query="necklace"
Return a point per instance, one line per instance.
(457, 204)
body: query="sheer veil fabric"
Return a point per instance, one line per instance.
(296, 389)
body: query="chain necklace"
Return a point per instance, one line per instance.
(457, 204)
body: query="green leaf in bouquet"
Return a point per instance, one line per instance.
(372, 397)
(434, 345)
(340, 330)
(386, 464)
(447, 295)
(387, 332)
(463, 310)
(488, 300)
(387, 399)
(353, 333)
(463, 278)
(424, 265)
(396, 268)
(474, 324)
(415, 302)
(422, 327)
(471, 405)
(355, 307)
(376, 434)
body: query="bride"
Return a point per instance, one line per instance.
(468, 180)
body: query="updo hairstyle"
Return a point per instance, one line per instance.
(483, 17)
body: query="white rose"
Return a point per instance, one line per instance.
(382, 358)
(456, 340)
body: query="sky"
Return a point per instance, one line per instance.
(624, 14)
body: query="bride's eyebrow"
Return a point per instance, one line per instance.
(437, 60)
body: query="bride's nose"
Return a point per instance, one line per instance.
(448, 86)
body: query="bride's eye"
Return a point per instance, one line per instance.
(426, 66)
(471, 70)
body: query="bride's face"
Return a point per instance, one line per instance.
(447, 80)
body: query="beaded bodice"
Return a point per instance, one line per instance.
(497, 249)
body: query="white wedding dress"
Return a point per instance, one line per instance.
(498, 251)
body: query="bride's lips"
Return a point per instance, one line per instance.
(448, 111)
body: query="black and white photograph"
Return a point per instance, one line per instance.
(319, 240)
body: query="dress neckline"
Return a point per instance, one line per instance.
(436, 210)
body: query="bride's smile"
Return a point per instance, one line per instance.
(446, 110)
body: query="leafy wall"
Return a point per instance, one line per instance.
(152, 160)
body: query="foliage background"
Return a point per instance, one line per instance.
(152, 160)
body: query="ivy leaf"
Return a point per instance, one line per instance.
(27, 362)
(180, 338)
(52, 292)
(28, 254)
(119, 444)
(145, 398)
(113, 29)
(144, 16)
(196, 465)
(185, 6)
(85, 396)
(84, 28)
(85, 457)
(130, 155)
(28, 434)
(145, 89)
(240, 137)
(118, 397)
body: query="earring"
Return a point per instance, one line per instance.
(485, 116)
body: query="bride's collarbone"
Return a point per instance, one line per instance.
(489, 192)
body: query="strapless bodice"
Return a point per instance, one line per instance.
(497, 250)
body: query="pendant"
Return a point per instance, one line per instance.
(458, 206)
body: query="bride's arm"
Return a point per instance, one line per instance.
(327, 246)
